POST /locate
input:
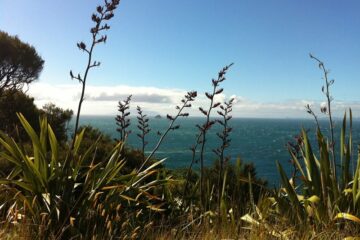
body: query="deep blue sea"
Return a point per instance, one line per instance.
(260, 141)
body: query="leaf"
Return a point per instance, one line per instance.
(291, 193)
(313, 199)
(247, 218)
(156, 208)
(127, 198)
(29, 130)
(345, 153)
(113, 187)
(54, 150)
(296, 161)
(355, 188)
(311, 166)
(154, 164)
(347, 216)
(23, 185)
(78, 140)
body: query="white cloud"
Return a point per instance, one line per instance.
(103, 100)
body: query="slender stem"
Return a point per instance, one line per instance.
(207, 126)
(163, 135)
(204, 130)
(221, 151)
(331, 123)
(83, 90)
(311, 112)
(143, 146)
(104, 15)
(221, 170)
(191, 164)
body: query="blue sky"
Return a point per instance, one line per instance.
(167, 47)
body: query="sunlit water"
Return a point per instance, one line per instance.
(261, 141)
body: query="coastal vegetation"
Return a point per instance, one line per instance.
(86, 185)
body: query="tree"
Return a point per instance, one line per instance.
(20, 64)
(58, 119)
(14, 101)
(11, 102)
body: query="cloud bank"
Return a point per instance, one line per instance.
(103, 100)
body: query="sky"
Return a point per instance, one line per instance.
(158, 50)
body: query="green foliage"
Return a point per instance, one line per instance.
(58, 118)
(235, 196)
(235, 188)
(15, 101)
(11, 102)
(104, 144)
(68, 197)
(321, 196)
(20, 64)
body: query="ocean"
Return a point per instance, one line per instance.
(260, 141)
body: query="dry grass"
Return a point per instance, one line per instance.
(206, 233)
(228, 232)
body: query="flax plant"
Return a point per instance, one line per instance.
(186, 103)
(323, 196)
(78, 200)
(143, 126)
(327, 110)
(312, 113)
(294, 150)
(100, 17)
(320, 198)
(205, 127)
(225, 111)
(193, 149)
(123, 120)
